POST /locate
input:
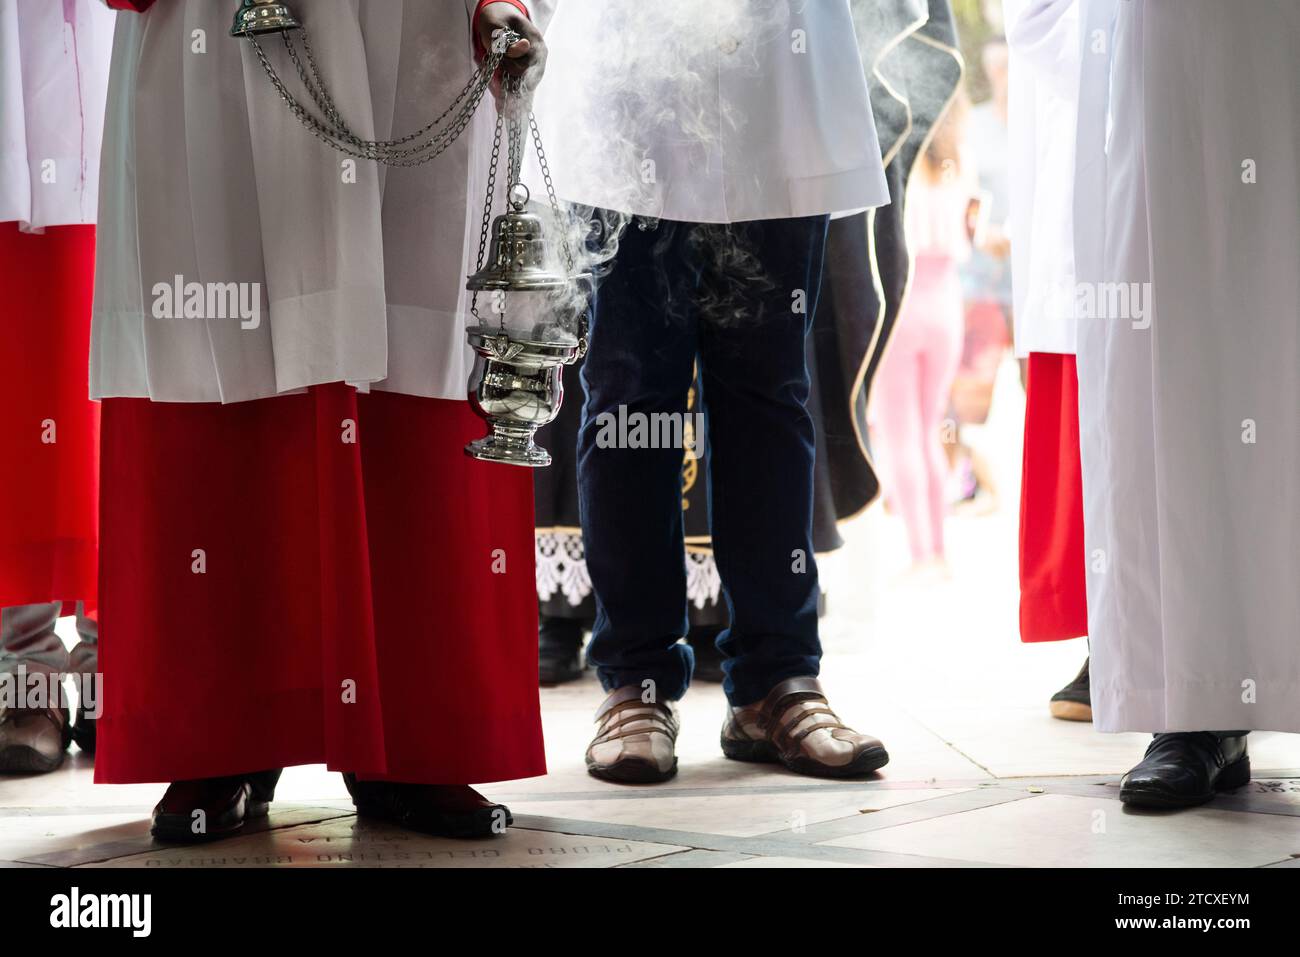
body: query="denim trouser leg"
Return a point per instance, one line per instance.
(675, 293)
(641, 359)
(762, 447)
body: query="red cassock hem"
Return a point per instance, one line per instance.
(49, 428)
(314, 578)
(1053, 599)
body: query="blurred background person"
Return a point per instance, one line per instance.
(986, 285)
(916, 375)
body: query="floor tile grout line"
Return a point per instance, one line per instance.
(750, 846)
(906, 811)
(657, 857)
(824, 785)
(691, 858)
(966, 802)
(940, 738)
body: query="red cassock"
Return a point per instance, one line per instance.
(314, 578)
(48, 425)
(318, 577)
(1053, 602)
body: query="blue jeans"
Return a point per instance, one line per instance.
(739, 300)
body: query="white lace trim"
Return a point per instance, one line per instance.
(562, 568)
(703, 583)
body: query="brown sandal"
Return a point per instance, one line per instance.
(635, 740)
(783, 728)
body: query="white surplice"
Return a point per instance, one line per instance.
(1190, 398)
(717, 112)
(208, 177)
(1043, 94)
(53, 79)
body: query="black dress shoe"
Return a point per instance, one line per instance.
(1074, 701)
(1187, 768)
(559, 650)
(703, 640)
(83, 732)
(442, 810)
(226, 803)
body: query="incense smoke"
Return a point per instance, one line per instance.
(651, 78)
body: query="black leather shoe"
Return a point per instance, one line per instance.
(83, 732)
(708, 659)
(1187, 768)
(225, 803)
(559, 650)
(442, 810)
(1074, 701)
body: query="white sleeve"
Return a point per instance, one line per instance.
(1043, 38)
(1044, 35)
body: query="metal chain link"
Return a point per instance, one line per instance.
(550, 192)
(487, 213)
(335, 133)
(326, 103)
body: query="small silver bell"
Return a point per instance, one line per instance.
(263, 16)
(517, 257)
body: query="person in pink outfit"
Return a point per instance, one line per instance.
(921, 361)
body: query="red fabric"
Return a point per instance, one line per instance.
(327, 562)
(139, 6)
(48, 490)
(479, 49)
(1053, 601)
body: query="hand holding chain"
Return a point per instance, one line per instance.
(516, 383)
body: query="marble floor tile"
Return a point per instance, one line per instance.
(24, 836)
(1270, 751)
(346, 842)
(1028, 742)
(785, 862)
(1052, 830)
(73, 786)
(736, 815)
(101, 839)
(1265, 795)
